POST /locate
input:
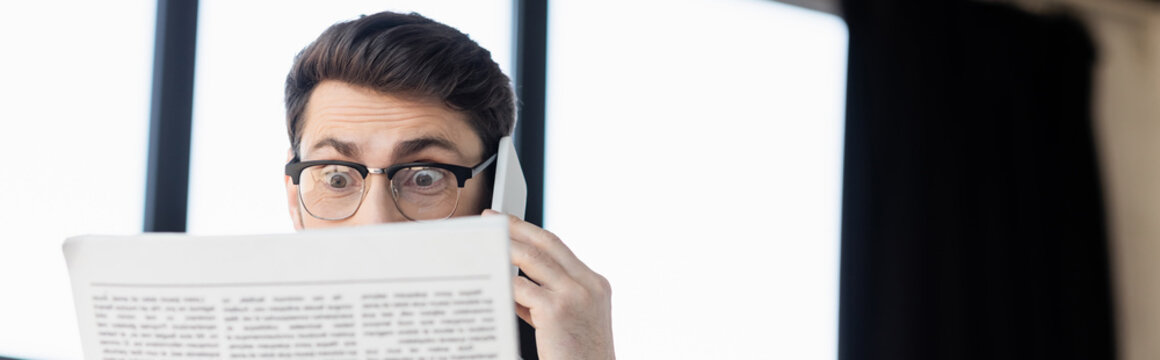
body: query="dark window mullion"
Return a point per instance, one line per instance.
(167, 179)
(531, 60)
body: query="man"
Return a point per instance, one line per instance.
(395, 117)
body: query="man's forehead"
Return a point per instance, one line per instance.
(385, 143)
(335, 101)
(351, 119)
(404, 146)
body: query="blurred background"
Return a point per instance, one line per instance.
(759, 179)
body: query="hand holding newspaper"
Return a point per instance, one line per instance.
(434, 290)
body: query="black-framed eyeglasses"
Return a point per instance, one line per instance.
(335, 189)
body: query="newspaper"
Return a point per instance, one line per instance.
(433, 290)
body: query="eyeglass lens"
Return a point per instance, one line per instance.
(335, 192)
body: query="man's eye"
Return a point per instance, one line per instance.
(338, 180)
(426, 178)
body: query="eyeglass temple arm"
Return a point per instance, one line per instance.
(479, 168)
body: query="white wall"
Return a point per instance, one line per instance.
(1127, 117)
(1127, 126)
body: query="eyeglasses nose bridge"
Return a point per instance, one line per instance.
(370, 186)
(380, 171)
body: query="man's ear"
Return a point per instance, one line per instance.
(292, 196)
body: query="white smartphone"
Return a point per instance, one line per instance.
(510, 195)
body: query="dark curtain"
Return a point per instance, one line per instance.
(973, 222)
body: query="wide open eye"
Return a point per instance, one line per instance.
(423, 181)
(426, 178)
(331, 191)
(425, 193)
(337, 180)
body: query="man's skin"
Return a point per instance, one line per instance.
(568, 303)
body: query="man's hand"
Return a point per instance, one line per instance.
(569, 304)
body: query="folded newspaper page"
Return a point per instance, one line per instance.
(432, 290)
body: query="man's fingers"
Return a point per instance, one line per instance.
(547, 242)
(527, 294)
(571, 302)
(539, 266)
(524, 313)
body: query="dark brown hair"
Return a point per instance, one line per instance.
(405, 55)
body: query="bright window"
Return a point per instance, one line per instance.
(694, 158)
(77, 79)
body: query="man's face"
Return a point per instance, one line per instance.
(345, 122)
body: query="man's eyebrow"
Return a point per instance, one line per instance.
(414, 146)
(347, 149)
